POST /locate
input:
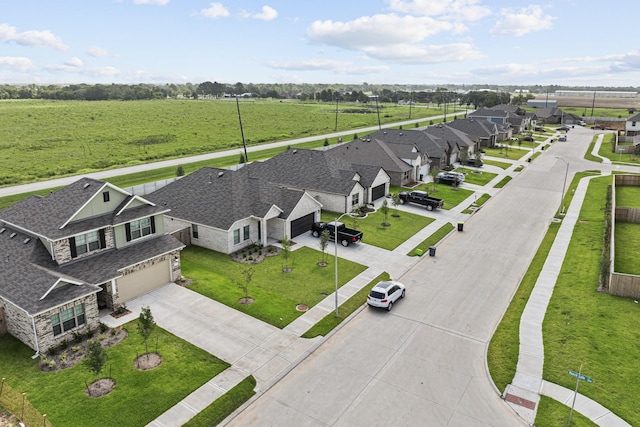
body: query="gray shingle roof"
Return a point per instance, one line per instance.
(308, 170)
(372, 150)
(219, 197)
(46, 216)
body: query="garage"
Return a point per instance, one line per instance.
(143, 281)
(377, 192)
(301, 225)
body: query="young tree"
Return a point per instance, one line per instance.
(146, 325)
(180, 170)
(247, 275)
(96, 357)
(395, 201)
(432, 173)
(242, 159)
(324, 242)
(286, 253)
(385, 213)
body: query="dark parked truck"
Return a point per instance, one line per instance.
(346, 236)
(421, 198)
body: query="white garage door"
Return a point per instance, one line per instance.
(143, 281)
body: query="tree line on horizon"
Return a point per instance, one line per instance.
(471, 95)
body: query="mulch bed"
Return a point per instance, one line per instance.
(63, 357)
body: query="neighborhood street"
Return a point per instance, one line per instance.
(425, 360)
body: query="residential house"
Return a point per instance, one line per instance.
(66, 255)
(401, 165)
(632, 129)
(226, 210)
(483, 132)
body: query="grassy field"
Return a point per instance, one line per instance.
(42, 139)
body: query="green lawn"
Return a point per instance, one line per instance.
(501, 165)
(503, 182)
(275, 292)
(628, 196)
(388, 237)
(627, 240)
(478, 203)
(330, 321)
(476, 176)
(582, 326)
(432, 240)
(139, 396)
(511, 153)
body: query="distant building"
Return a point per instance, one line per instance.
(597, 93)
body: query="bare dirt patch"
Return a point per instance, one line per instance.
(100, 387)
(147, 361)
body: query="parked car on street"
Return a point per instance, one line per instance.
(385, 294)
(562, 138)
(564, 128)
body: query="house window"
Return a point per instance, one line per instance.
(68, 319)
(194, 231)
(245, 232)
(105, 196)
(140, 228)
(633, 124)
(85, 243)
(236, 236)
(355, 199)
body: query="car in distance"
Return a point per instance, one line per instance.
(528, 138)
(472, 161)
(562, 138)
(385, 294)
(564, 128)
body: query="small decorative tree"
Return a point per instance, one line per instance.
(146, 326)
(247, 275)
(96, 357)
(385, 213)
(324, 242)
(241, 160)
(433, 172)
(286, 254)
(326, 142)
(395, 201)
(180, 170)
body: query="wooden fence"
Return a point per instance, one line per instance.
(621, 284)
(18, 404)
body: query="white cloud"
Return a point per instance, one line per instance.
(158, 2)
(378, 30)
(215, 10)
(99, 52)
(526, 20)
(338, 67)
(426, 54)
(267, 14)
(17, 63)
(74, 62)
(457, 10)
(31, 38)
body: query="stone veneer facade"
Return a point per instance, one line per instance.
(62, 248)
(22, 325)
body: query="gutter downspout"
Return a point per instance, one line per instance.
(35, 338)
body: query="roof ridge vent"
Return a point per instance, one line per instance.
(86, 185)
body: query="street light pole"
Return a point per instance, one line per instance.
(566, 172)
(335, 239)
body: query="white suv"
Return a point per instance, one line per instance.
(384, 294)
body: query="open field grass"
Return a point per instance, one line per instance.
(628, 196)
(42, 139)
(627, 248)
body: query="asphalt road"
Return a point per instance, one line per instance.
(425, 362)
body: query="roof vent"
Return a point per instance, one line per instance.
(294, 151)
(220, 174)
(2, 230)
(86, 184)
(400, 134)
(27, 240)
(12, 235)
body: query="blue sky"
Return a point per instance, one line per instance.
(564, 42)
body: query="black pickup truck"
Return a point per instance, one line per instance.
(421, 198)
(346, 236)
